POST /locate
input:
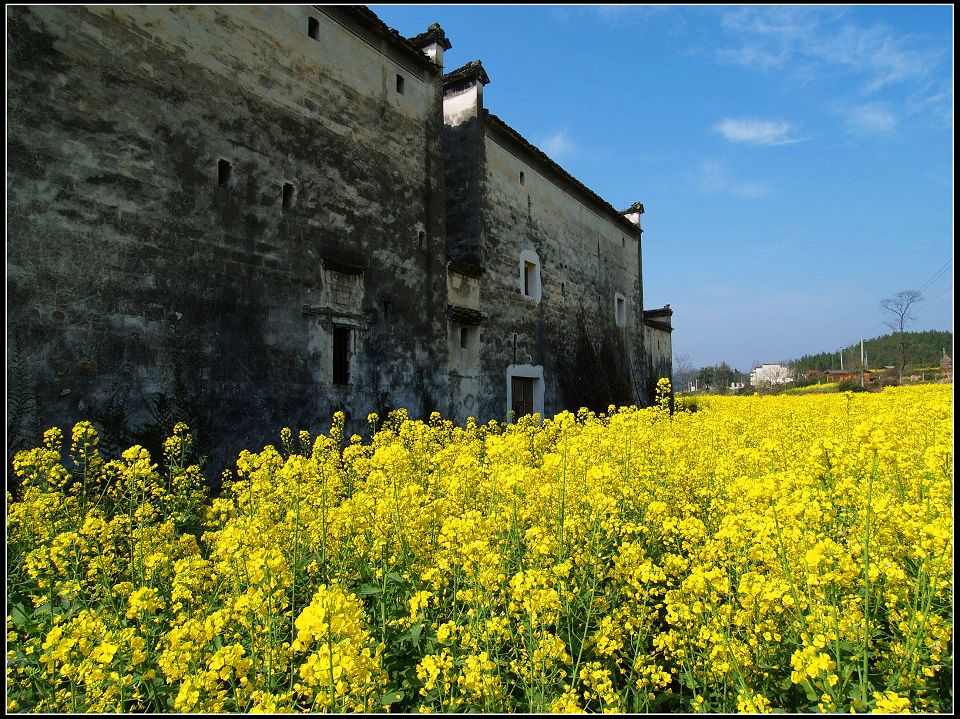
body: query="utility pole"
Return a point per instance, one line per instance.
(841, 358)
(861, 361)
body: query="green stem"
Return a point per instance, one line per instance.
(787, 569)
(866, 583)
(293, 589)
(586, 626)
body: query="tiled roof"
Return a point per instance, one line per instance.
(465, 316)
(465, 268)
(434, 34)
(664, 311)
(368, 17)
(473, 70)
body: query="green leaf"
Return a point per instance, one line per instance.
(809, 691)
(845, 646)
(366, 590)
(390, 698)
(19, 615)
(394, 577)
(42, 609)
(415, 631)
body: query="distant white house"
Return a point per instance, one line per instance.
(737, 385)
(770, 374)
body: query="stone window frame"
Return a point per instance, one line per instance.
(619, 309)
(531, 286)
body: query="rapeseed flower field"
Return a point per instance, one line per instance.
(761, 554)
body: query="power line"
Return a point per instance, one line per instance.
(936, 275)
(949, 289)
(933, 278)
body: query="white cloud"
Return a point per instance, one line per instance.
(875, 51)
(559, 146)
(713, 179)
(615, 14)
(870, 119)
(805, 38)
(935, 101)
(756, 132)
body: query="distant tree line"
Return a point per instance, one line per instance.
(923, 349)
(718, 377)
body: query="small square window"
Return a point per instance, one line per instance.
(341, 355)
(521, 178)
(313, 28)
(289, 194)
(620, 310)
(400, 84)
(464, 337)
(528, 268)
(529, 275)
(225, 174)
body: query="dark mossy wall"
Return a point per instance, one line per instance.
(135, 278)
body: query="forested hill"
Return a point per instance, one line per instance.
(924, 349)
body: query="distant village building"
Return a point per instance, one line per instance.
(770, 374)
(848, 375)
(261, 215)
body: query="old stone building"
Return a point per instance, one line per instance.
(250, 217)
(657, 339)
(543, 250)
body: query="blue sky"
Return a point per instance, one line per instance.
(795, 163)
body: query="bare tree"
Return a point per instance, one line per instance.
(683, 372)
(898, 308)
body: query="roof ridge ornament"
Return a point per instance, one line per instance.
(472, 71)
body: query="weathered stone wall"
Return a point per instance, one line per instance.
(133, 274)
(463, 163)
(660, 351)
(464, 339)
(586, 256)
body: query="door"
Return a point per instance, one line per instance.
(521, 395)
